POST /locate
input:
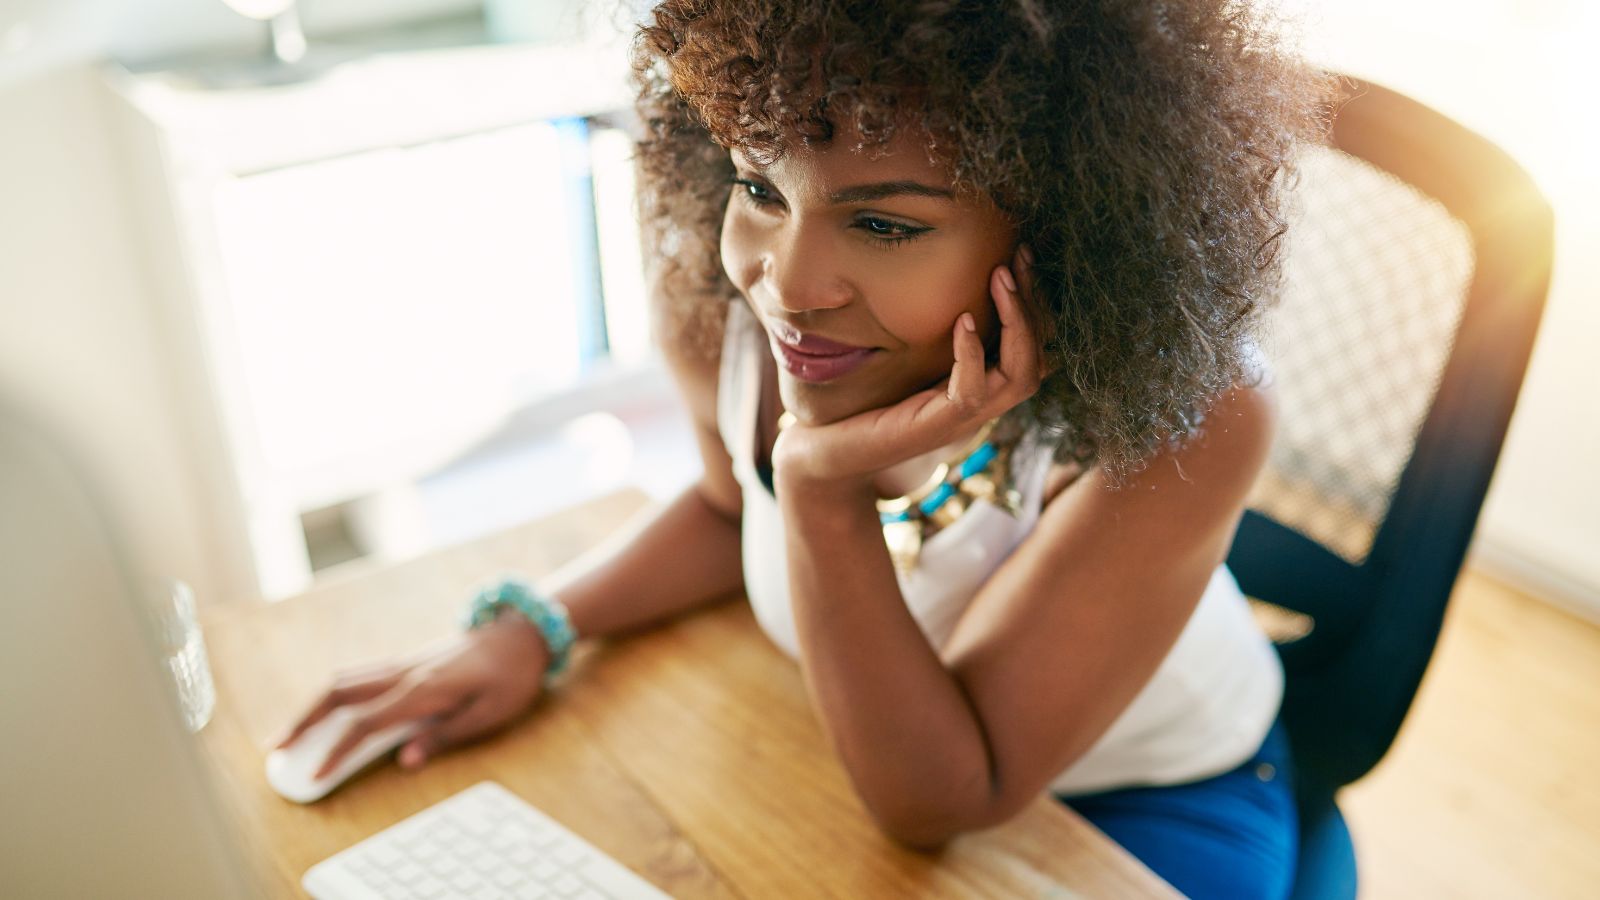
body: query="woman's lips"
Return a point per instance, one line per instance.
(810, 344)
(817, 366)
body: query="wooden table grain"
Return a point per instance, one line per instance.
(690, 752)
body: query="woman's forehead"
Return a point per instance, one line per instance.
(842, 163)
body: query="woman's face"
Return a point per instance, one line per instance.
(877, 254)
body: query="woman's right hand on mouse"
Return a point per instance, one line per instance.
(469, 685)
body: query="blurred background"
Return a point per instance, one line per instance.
(390, 303)
(326, 287)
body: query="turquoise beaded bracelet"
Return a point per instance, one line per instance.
(547, 614)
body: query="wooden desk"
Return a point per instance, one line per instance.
(689, 753)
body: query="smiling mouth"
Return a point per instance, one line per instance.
(807, 343)
(818, 368)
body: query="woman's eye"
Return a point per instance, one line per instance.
(889, 232)
(755, 192)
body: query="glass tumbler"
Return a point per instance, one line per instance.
(169, 604)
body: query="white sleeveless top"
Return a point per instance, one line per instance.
(1205, 711)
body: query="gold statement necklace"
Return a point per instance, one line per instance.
(980, 471)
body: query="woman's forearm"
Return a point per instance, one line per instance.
(684, 556)
(902, 723)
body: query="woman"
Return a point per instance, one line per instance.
(961, 298)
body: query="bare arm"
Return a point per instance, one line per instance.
(1054, 646)
(681, 557)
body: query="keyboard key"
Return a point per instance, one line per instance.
(429, 887)
(568, 854)
(544, 869)
(507, 877)
(522, 832)
(473, 822)
(425, 851)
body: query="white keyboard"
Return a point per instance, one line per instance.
(484, 842)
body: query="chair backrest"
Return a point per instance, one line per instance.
(1417, 262)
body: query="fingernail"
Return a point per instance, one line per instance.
(1027, 254)
(968, 323)
(1008, 281)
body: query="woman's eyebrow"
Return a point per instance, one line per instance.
(864, 192)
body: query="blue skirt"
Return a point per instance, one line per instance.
(1235, 835)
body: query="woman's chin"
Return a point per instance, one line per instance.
(820, 404)
(823, 403)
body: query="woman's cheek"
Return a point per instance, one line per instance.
(736, 248)
(727, 249)
(922, 310)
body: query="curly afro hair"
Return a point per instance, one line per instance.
(1140, 146)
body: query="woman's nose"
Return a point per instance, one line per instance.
(801, 275)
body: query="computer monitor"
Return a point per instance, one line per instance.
(104, 791)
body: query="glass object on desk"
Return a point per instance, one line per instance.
(284, 59)
(169, 607)
(283, 20)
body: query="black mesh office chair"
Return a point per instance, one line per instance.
(1417, 264)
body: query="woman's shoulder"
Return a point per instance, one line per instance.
(1227, 451)
(1238, 429)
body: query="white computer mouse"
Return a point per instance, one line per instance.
(290, 770)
